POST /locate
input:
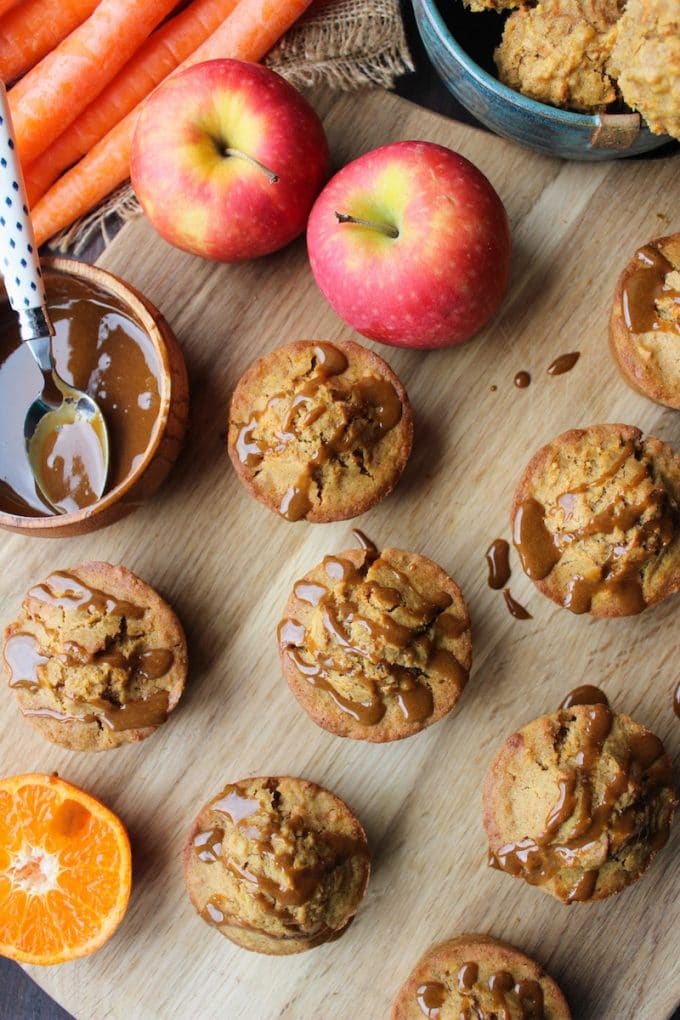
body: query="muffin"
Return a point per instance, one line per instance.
(376, 646)
(96, 658)
(579, 802)
(478, 976)
(320, 431)
(557, 53)
(278, 865)
(644, 327)
(646, 62)
(595, 520)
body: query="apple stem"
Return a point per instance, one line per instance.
(383, 228)
(227, 151)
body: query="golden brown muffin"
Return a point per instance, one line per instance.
(557, 52)
(579, 802)
(376, 646)
(96, 658)
(596, 523)
(478, 976)
(278, 865)
(646, 62)
(320, 431)
(644, 327)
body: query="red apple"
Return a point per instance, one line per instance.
(410, 244)
(227, 159)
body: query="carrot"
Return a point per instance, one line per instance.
(47, 99)
(160, 55)
(108, 164)
(30, 31)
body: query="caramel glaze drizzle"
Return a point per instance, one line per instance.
(270, 841)
(497, 558)
(676, 701)
(540, 550)
(432, 995)
(586, 694)
(563, 363)
(538, 859)
(338, 611)
(643, 288)
(26, 660)
(380, 407)
(515, 608)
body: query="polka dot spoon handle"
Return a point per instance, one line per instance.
(18, 255)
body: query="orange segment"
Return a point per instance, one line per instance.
(65, 870)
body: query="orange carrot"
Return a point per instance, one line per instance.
(107, 164)
(30, 31)
(47, 99)
(167, 47)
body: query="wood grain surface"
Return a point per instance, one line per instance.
(227, 565)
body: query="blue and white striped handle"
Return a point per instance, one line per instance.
(18, 254)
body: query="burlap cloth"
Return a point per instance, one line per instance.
(345, 44)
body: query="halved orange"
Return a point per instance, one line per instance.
(65, 870)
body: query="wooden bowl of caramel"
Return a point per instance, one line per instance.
(112, 343)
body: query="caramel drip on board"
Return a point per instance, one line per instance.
(515, 608)
(522, 380)
(586, 694)
(563, 363)
(377, 398)
(272, 840)
(676, 701)
(642, 290)
(498, 561)
(540, 858)
(408, 686)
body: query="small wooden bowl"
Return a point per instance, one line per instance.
(168, 430)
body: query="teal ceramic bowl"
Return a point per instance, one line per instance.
(514, 116)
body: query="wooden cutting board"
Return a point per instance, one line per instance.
(227, 565)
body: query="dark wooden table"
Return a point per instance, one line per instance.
(20, 997)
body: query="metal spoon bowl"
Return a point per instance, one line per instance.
(65, 431)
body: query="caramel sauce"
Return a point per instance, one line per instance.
(24, 659)
(586, 694)
(535, 544)
(208, 845)
(381, 406)
(366, 543)
(643, 288)
(522, 380)
(272, 839)
(515, 608)
(564, 363)
(133, 715)
(538, 859)
(467, 976)
(65, 591)
(431, 997)
(497, 558)
(676, 701)
(475, 995)
(67, 454)
(411, 694)
(98, 348)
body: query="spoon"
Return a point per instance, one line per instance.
(64, 431)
